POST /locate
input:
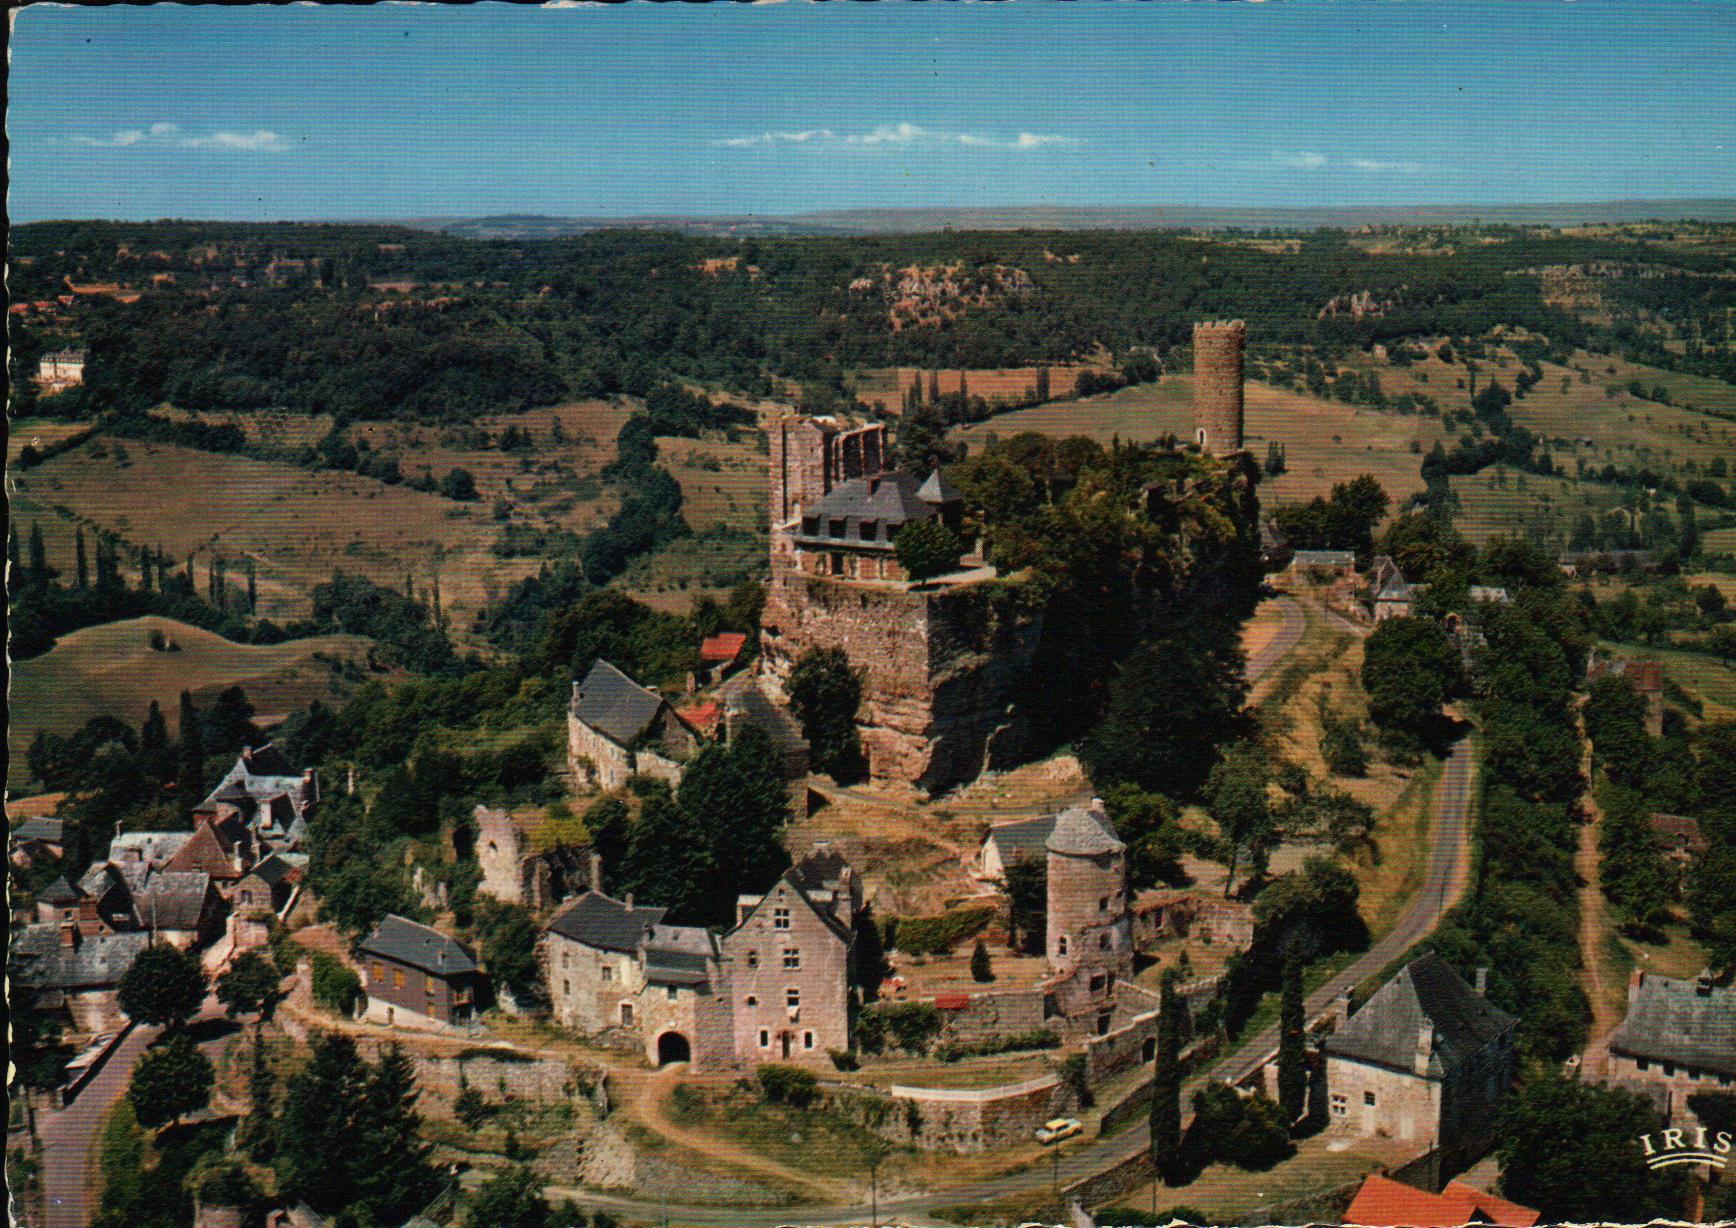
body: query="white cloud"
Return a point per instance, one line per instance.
(1301, 159)
(900, 134)
(1370, 164)
(1308, 160)
(171, 136)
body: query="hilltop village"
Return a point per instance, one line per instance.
(887, 864)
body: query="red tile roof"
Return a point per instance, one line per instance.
(704, 717)
(951, 1001)
(1385, 1203)
(722, 648)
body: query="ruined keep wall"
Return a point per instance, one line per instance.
(1218, 385)
(941, 669)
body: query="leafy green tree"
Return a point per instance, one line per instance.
(1174, 702)
(1711, 888)
(1292, 1057)
(508, 940)
(249, 985)
(1248, 1132)
(171, 1080)
(512, 1198)
(1571, 1150)
(922, 443)
(163, 986)
(928, 548)
(1237, 799)
(460, 484)
(1632, 871)
(825, 692)
(1410, 667)
(669, 857)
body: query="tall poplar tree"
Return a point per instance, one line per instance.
(1166, 1136)
(192, 774)
(1292, 1021)
(83, 563)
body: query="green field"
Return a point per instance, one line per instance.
(112, 670)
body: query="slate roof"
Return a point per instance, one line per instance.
(150, 846)
(606, 924)
(1083, 832)
(1323, 558)
(1028, 836)
(938, 490)
(1424, 993)
(678, 955)
(404, 941)
(743, 696)
(53, 831)
(172, 900)
(819, 871)
(1385, 1203)
(888, 499)
(1674, 1021)
(97, 962)
(614, 705)
(205, 851)
(274, 870)
(60, 892)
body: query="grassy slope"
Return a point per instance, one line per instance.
(112, 669)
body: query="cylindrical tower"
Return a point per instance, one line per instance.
(1087, 922)
(1218, 385)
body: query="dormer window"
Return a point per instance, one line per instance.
(811, 525)
(835, 527)
(867, 529)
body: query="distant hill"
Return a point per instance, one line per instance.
(1037, 217)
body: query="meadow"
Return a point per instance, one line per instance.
(113, 670)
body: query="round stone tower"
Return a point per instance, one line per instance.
(1218, 385)
(1088, 926)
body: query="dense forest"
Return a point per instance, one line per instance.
(379, 322)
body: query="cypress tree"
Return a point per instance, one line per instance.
(1166, 1084)
(317, 1152)
(38, 557)
(191, 780)
(257, 1130)
(933, 387)
(980, 969)
(83, 563)
(154, 740)
(252, 588)
(1292, 1071)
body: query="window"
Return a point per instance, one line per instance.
(379, 972)
(566, 959)
(1102, 903)
(1643, 1063)
(753, 999)
(1368, 1099)
(807, 1040)
(1340, 1105)
(1061, 945)
(792, 958)
(608, 973)
(1103, 942)
(1097, 983)
(780, 918)
(834, 528)
(765, 1039)
(866, 529)
(792, 998)
(397, 978)
(565, 989)
(1669, 1070)
(671, 991)
(627, 1013)
(837, 564)
(753, 959)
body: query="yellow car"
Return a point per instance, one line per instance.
(1056, 1129)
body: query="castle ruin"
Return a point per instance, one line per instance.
(1218, 385)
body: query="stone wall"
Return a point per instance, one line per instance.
(611, 1161)
(1132, 1039)
(957, 1120)
(593, 757)
(993, 1014)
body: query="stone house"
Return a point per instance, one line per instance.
(851, 531)
(1424, 1061)
(720, 654)
(36, 840)
(272, 797)
(613, 967)
(1678, 1038)
(1328, 562)
(417, 977)
(62, 968)
(223, 846)
(775, 987)
(617, 728)
(1396, 599)
(60, 370)
(1680, 838)
(516, 873)
(1647, 677)
(790, 963)
(1007, 842)
(181, 907)
(262, 895)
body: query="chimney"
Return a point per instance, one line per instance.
(1482, 982)
(1703, 984)
(596, 871)
(1339, 1015)
(629, 900)
(69, 935)
(1425, 1048)
(1636, 978)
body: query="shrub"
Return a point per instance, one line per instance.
(228, 1185)
(1342, 747)
(334, 985)
(910, 1026)
(843, 1059)
(789, 1085)
(1018, 1042)
(938, 934)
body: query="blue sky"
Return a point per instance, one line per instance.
(398, 110)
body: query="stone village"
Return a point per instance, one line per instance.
(1422, 1063)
